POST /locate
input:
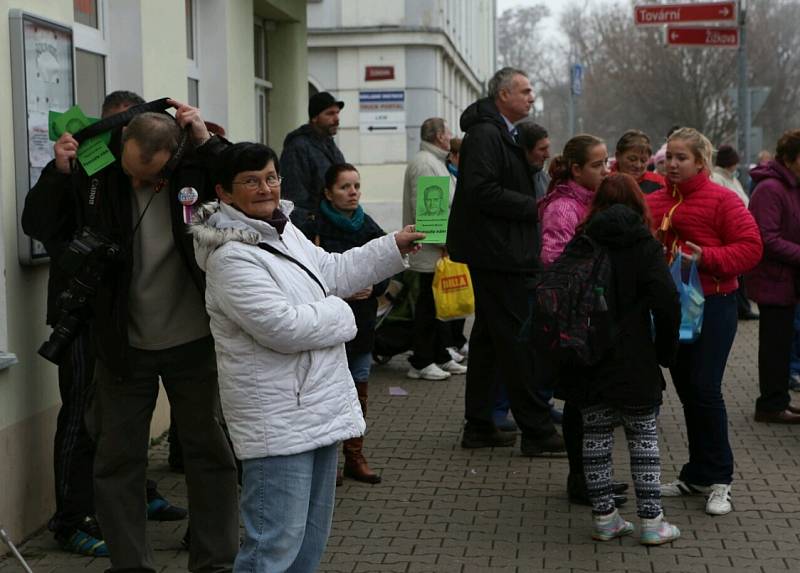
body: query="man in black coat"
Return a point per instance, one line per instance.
(308, 152)
(74, 449)
(148, 321)
(493, 229)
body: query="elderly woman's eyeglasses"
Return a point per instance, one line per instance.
(255, 183)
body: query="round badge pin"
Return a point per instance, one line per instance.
(188, 196)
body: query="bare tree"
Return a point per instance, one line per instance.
(519, 42)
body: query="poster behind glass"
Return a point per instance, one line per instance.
(42, 72)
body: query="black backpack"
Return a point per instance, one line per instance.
(569, 318)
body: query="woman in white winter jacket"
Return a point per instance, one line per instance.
(280, 323)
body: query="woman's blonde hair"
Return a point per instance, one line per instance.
(699, 144)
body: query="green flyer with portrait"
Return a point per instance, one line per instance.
(433, 208)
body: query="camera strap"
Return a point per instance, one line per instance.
(121, 119)
(118, 119)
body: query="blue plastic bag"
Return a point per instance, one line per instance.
(692, 299)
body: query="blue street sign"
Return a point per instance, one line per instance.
(576, 77)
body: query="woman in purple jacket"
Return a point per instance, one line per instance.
(775, 205)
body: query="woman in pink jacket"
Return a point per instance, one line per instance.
(709, 223)
(576, 175)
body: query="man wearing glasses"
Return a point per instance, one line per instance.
(148, 322)
(74, 523)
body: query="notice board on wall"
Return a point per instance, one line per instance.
(42, 72)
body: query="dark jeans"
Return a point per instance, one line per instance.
(775, 340)
(794, 366)
(122, 413)
(741, 299)
(452, 332)
(501, 307)
(697, 376)
(73, 451)
(429, 344)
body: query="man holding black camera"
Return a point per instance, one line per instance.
(74, 523)
(148, 321)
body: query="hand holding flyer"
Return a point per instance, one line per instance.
(94, 153)
(433, 208)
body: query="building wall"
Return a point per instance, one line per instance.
(442, 52)
(145, 49)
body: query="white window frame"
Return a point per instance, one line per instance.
(193, 68)
(94, 40)
(262, 86)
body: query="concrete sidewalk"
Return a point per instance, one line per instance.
(442, 509)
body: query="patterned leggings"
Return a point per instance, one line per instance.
(598, 443)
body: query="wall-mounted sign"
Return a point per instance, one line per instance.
(376, 73)
(382, 111)
(41, 81)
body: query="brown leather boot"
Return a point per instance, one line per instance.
(355, 465)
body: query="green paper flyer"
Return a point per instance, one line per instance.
(433, 208)
(93, 153)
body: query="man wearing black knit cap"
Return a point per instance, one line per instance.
(308, 152)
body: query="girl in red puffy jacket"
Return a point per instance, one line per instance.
(711, 225)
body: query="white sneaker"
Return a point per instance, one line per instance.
(453, 367)
(454, 354)
(719, 500)
(430, 372)
(464, 350)
(678, 488)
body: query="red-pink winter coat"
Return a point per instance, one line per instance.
(775, 204)
(560, 213)
(712, 217)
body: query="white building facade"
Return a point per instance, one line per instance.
(243, 62)
(395, 63)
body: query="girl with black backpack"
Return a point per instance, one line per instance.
(626, 384)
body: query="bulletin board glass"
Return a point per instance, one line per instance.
(42, 72)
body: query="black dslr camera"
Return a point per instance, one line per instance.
(84, 261)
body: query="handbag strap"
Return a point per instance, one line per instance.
(288, 257)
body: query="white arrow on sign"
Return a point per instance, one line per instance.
(675, 35)
(724, 11)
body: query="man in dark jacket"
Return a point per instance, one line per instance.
(308, 152)
(493, 229)
(73, 523)
(149, 322)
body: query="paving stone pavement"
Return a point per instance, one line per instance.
(443, 509)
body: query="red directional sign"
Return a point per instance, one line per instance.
(726, 37)
(656, 14)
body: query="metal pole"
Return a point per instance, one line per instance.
(743, 111)
(7, 540)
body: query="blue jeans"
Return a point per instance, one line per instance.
(287, 509)
(697, 375)
(360, 366)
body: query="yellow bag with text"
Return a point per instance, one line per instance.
(452, 290)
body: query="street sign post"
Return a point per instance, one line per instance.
(722, 37)
(576, 79)
(658, 14)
